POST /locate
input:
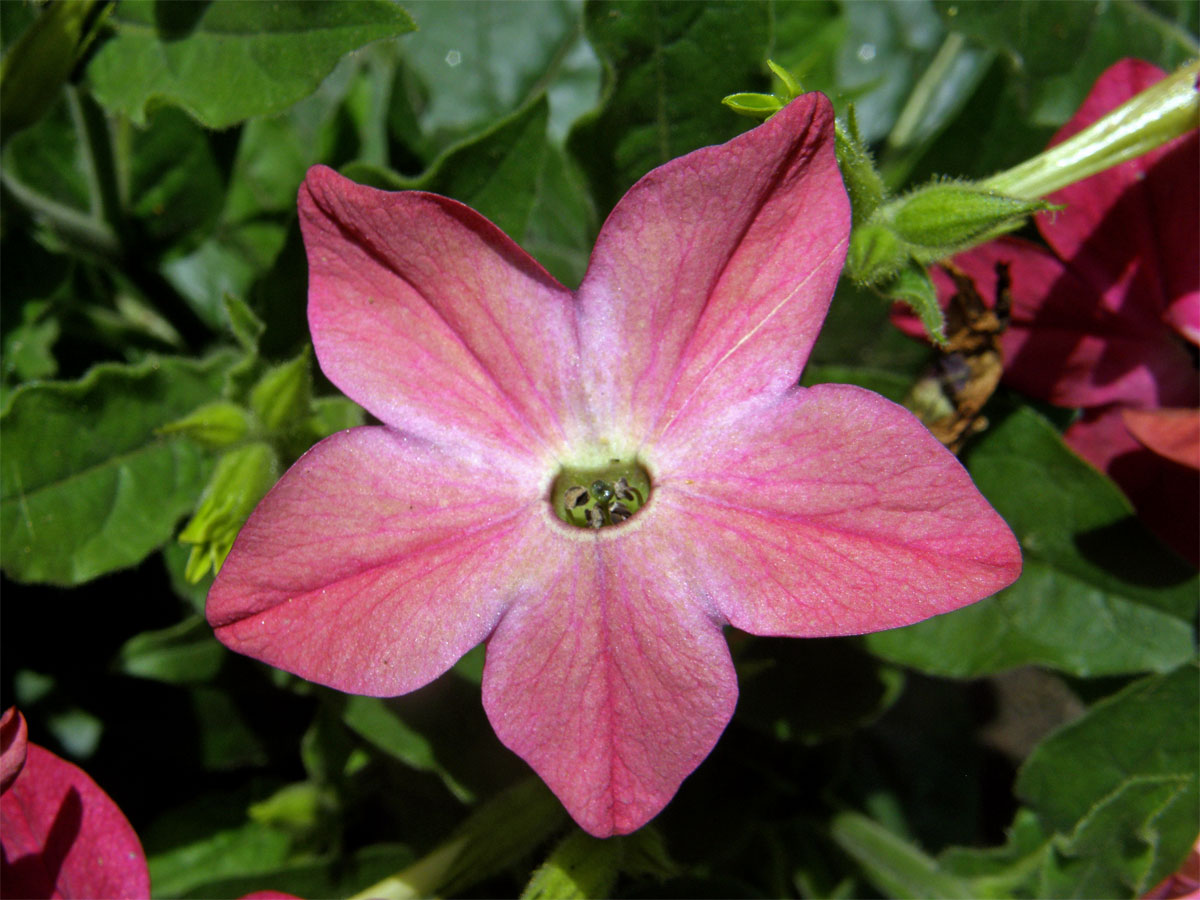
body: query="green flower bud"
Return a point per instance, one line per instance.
(242, 478)
(214, 425)
(282, 396)
(941, 219)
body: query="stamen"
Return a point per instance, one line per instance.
(612, 495)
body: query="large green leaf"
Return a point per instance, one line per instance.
(1112, 800)
(1098, 595)
(667, 66)
(495, 172)
(226, 61)
(86, 486)
(480, 61)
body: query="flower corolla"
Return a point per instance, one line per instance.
(596, 482)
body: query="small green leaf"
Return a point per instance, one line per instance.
(227, 61)
(214, 425)
(912, 285)
(87, 485)
(186, 653)
(371, 718)
(756, 106)
(891, 863)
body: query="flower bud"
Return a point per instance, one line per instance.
(941, 219)
(214, 425)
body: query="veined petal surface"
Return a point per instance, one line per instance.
(612, 679)
(375, 563)
(712, 276)
(428, 316)
(833, 511)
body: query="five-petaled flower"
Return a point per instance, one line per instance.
(485, 508)
(1108, 318)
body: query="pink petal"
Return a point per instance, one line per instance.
(64, 837)
(375, 563)
(1131, 231)
(428, 316)
(1172, 433)
(1064, 346)
(711, 277)
(613, 680)
(14, 737)
(1165, 494)
(833, 511)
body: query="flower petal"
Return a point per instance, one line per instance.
(1131, 231)
(1165, 493)
(711, 277)
(1064, 346)
(614, 682)
(428, 316)
(1171, 433)
(833, 511)
(64, 837)
(14, 738)
(374, 564)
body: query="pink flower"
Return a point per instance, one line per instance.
(387, 552)
(1108, 319)
(62, 836)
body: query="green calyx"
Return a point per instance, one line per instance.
(597, 497)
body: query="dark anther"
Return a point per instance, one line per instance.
(575, 496)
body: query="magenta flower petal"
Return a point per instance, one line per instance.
(64, 837)
(14, 738)
(375, 563)
(613, 679)
(1171, 433)
(833, 511)
(712, 276)
(1131, 231)
(427, 315)
(1165, 493)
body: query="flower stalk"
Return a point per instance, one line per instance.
(1159, 114)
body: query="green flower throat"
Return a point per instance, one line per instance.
(595, 498)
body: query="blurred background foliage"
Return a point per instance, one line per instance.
(155, 379)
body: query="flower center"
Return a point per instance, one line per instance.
(594, 498)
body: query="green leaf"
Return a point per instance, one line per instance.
(371, 718)
(667, 66)
(891, 863)
(1098, 596)
(481, 61)
(495, 172)
(35, 68)
(186, 653)
(1112, 800)
(580, 867)
(227, 61)
(86, 485)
